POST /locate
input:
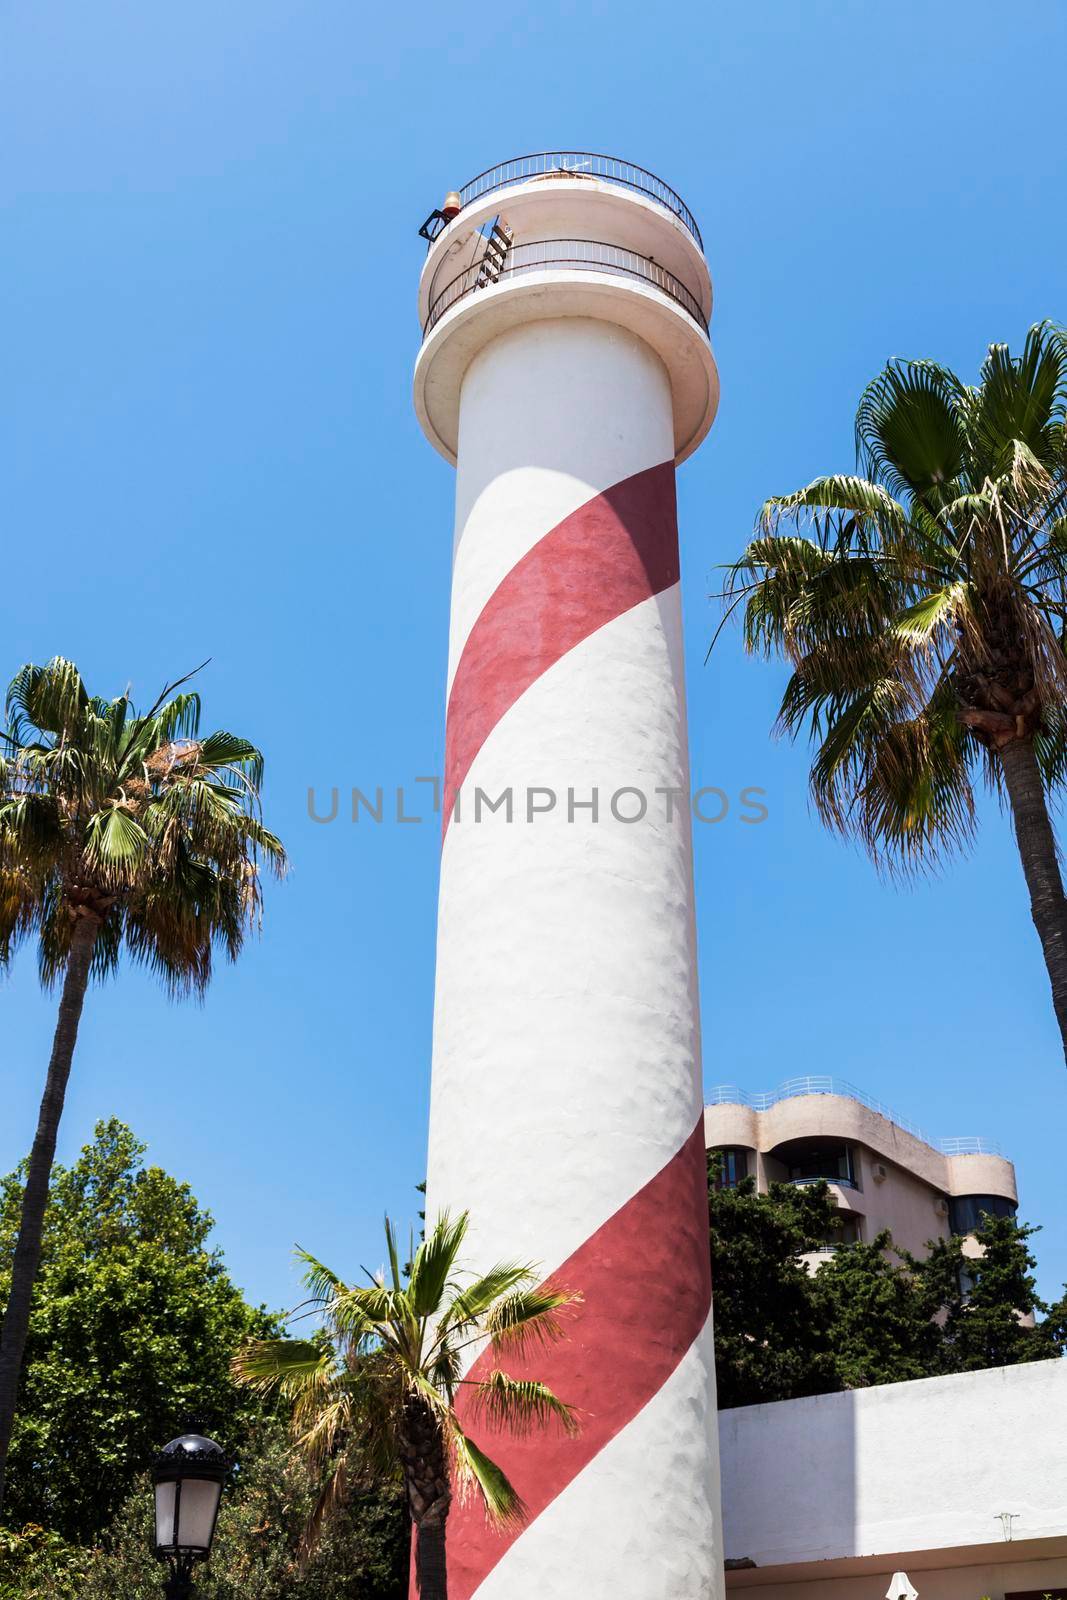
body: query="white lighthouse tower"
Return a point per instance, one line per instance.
(566, 369)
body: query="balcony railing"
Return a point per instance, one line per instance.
(824, 1177)
(585, 255)
(572, 164)
(728, 1094)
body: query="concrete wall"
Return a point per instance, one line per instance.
(901, 1202)
(924, 1468)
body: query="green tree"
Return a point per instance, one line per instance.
(133, 1328)
(361, 1555)
(880, 1314)
(869, 1313)
(994, 1316)
(36, 1564)
(772, 1330)
(117, 831)
(923, 610)
(375, 1399)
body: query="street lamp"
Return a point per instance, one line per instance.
(188, 1475)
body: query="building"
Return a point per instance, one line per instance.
(961, 1482)
(882, 1171)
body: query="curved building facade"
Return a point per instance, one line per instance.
(882, 1172)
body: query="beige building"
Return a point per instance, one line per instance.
(882, 1171)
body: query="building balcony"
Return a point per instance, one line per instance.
(540, 256)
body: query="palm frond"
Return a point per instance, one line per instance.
(917, 624)
(475, 1472)
(435, 1262)
(529, 1319)
(117, 816)
(328, 1503)
(320, 1281)
(910, 436)
(519, 1405)
(355, 1388)
(288, 1366)
(473, 1301)
(116, 846)
(923, 607)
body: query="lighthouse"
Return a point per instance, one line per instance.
(566, 370)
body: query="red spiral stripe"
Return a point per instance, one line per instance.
(615, 551)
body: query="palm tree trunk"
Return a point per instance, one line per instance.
(35, 1197)
(423, 1458)
(431, 1568)
(1041, 866)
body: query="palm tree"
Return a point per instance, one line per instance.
(117, 831)
(923, 609)
(374, 1394)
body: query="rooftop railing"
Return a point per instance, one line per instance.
(588, 255)
(572, 164)
(728, 1094)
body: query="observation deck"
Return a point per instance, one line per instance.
(564, 234)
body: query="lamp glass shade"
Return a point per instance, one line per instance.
(185, 1514)
(165, 1497)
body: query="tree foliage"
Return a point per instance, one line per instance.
(362, 1555)
(880, 1313)
(772, 1337)
(922, 609)
(922, 606)
(133, 822)
(133, 1327)
(118, 831)
(981, 1295)
(869, 1313)
(376, 1400)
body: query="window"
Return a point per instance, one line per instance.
(844, 1230)
(733, 1167)
(965, 1210)
(809, 1162)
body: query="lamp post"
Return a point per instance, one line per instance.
(188, 1476)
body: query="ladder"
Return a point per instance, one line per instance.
(497, 244)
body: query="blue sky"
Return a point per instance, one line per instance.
(208, 301)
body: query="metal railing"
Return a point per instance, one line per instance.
(587, 255)
(575, 164)
(824, 1177)
(728, 1094)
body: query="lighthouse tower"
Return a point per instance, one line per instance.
(565, 370)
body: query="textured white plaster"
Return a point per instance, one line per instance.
(641, 1522)
(566, 1068)
(533, 447)
(566, 1043)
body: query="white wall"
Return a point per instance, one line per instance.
(910, 1466)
